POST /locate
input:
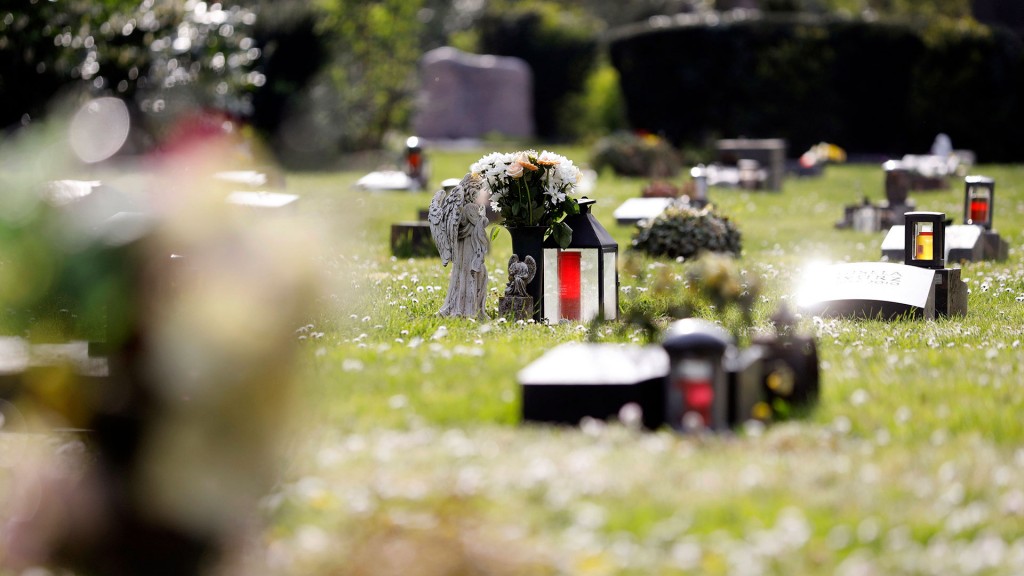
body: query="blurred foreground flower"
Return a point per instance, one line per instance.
(185, 432)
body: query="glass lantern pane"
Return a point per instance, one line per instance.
(611, 290)
(924, 241)
(549, 306)
(589, 285)
(693, 384)
(569, 284)
(979, 204)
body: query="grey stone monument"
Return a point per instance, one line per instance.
(470, 95)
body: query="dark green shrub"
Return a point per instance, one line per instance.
(686, 232)
(870, 86)
(630, 154)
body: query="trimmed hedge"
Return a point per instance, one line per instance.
(871, 87)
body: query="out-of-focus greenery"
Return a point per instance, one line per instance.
(629, 154)
(559, 45)
(331, 76)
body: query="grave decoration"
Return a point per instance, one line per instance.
(410, 171)
(682, 231)
(581, 280)
(417, 167)
(979, 205)
(697, 380)
(761, 162)
(972, 241)
(921, 287)
(699, 174)
(535, 195)
(517, 302)
(458, 225)
(867, 216)
(813, 161)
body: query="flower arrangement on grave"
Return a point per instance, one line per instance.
(531, 189)
(685, 232)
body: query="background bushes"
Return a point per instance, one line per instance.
(872, 87)
(561, 47)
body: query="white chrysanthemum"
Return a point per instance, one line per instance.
(568, 172)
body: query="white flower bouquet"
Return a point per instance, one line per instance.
(531, 189)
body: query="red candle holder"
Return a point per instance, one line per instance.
(979, 195)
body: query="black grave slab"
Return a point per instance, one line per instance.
(995, 247)
(575, 380)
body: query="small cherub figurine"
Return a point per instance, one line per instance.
(519, 275)
(458, 225)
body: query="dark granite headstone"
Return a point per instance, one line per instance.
(770, 154)
(470, 96)
(575, 380)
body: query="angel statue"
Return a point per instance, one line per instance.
(517, 302)
(519, 275)
(458, 225)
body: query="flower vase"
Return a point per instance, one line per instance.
(529, 241)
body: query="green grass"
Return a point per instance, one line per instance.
(912, 462)
(412, 459)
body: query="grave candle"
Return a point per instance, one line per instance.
(978, 196)
(692, 381)
(569, 288)
(580, 282)
(924, 241)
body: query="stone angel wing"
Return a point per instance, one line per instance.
(531, 267)
(444, 215)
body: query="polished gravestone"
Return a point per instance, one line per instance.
(868, 290)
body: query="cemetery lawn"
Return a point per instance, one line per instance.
(412, 458)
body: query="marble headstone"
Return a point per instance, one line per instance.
(470, 96)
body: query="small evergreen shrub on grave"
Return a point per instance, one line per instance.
(686, 232)
(630, 154)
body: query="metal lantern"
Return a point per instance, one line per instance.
(415, 161)
(979, 195)
(925, 239)
(696, 394)
(699, 173)
(581, 282)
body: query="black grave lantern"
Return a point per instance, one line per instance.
(979, 197)
(414, 160)
(581, 281)
(925, 239)
(696, 393)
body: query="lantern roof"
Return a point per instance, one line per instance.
(978, 179)
(693, 334)
(587, 231)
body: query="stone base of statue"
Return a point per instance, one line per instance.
(516, 307)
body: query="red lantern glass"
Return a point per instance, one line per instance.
(979, 194)
(569, 284)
